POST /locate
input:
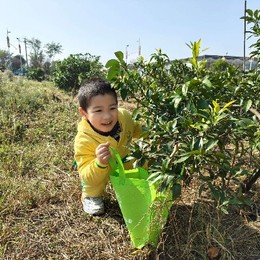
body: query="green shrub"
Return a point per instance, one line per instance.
(36, 74)
(194, 131)
(69, 73)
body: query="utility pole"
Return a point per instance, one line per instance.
(25, 47)
(244, 57)
(8, 46)
(8, 39)
(139, 48)
(126, 53)
(20, 53)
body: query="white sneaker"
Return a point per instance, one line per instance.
(93, 206)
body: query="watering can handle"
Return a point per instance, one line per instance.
(117, 163)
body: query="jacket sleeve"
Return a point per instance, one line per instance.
(86, 160)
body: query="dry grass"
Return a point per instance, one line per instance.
(40, 210)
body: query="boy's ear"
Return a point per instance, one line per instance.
(82, 112)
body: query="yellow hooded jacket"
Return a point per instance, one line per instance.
(94, 178)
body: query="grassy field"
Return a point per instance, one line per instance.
(40, 210)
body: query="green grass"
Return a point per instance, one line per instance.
(40, 210)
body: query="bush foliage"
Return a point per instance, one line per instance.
(200, 123)
(70, 72)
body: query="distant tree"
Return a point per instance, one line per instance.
(220, 65)
(17, 62)
(4, 58)
(53, 49)
(69, 73)
(40, 67)
(36, 55)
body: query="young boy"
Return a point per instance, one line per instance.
(102, 124)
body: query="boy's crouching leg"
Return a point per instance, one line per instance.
(92, 199)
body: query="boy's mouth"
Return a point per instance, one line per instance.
(107, 123)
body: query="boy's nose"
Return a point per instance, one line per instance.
(107, 115)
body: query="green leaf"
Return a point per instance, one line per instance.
(216, 106)
(123, 93)
(210, 144)
(168, 180)
(112, 63)
(245, 122)
(156, 179)
(224, 210)
(247, 201)
(165, 164)
(154, 175)
(136, 114)
(249, 12)
(229, 104)
(112, 73)
(207, 83)
(202, 104)
(182, 159)
(176, 191)
(177, 99)
(184, 90)
(194, 82)
(194, 152)
(120, 56)
(241, 173)
(247, 105)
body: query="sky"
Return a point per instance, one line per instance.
(102, 27)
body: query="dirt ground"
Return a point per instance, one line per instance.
(57, 228)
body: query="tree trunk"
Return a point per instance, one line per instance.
(249, 182)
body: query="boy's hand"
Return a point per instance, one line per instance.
(103, 153)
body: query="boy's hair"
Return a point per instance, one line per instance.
(92, 88)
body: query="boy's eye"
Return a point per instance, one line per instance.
(99, 110)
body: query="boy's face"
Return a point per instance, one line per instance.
(102, 112)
